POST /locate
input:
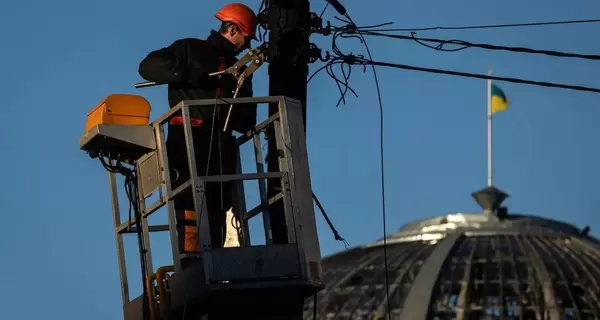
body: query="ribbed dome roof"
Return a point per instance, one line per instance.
(471, 266)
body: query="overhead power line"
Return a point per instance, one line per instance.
(345, 61)
(489, 26)
(361, 61)
(466, 44)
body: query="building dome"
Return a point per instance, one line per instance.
(489, 265)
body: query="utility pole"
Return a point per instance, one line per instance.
(288, 54)
(288, 23)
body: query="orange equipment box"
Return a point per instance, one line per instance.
(128, 109)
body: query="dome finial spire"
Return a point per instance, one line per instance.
(490, 199)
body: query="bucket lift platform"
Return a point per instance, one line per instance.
(226, 280)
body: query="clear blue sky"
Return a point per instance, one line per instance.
(59, 58)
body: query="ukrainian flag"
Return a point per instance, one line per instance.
(498, 99)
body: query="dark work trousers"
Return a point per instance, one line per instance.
(218, 194)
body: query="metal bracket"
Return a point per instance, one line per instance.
(316, 25)
(316, 22)
(315, 53)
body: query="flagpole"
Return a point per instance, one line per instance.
(489, 121)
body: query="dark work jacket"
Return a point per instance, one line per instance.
(185, 65)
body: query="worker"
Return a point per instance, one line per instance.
(185, 66)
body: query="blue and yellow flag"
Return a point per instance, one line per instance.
(498, 100)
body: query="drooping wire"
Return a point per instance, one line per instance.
(330, 72)
(382, 171)
(341, 60)
(336, 235)
(342, 85)
(343, 82)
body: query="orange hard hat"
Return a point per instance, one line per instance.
(241, 15)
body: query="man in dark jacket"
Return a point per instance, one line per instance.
(184, 66)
